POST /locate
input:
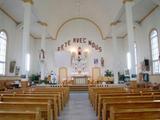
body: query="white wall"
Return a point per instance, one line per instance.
(142, 35)
(84, 29)
(76, 29)
(14, 44)
(142, 38)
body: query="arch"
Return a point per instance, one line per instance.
(80, 18)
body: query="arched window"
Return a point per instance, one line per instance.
(155, 51)
(3, 44)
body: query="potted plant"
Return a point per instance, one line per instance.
(34, 78)
(45, 81)
(108, 73)
(108, 76)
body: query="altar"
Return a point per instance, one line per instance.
(80, 79)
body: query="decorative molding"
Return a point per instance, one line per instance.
(122, 37)
(147, 15)
(108, 37)
(50, 38)
(124, 1)
(42, 23)
(115, 23)
(17, 23)
(33, 36)
(81, 18)
(11, 17)
(39, 38)
(61, 26)
(28, 1)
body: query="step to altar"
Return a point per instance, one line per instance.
(78, 87)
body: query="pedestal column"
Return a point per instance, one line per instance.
(26, 38)
(115, 51)
(43, 50)
(130, 30)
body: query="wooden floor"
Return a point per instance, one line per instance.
(78, 108)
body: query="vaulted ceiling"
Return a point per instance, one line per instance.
(56, 12)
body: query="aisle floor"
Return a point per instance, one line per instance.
(78, 108)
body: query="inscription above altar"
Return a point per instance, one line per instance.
(80, 41)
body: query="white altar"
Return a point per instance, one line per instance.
(80, 79)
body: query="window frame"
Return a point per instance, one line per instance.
(151, 57)
(3, 30)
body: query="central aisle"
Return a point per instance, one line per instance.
(78, 108)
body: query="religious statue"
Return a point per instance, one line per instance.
(73, 56)
(53, 77)
(42, 55)
(102, 62)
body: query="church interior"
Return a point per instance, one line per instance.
(80, 59)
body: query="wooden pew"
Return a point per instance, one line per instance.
(59, 91)
(38, 95)
(33, 99)
(113, 93)
(100, 97)
(125, 98)
(128, 104)
(58, 95)
(64, 90)
(20, 115)
(96, 96)
(94, 90)
(134, 114)
(44, 107)
(6, 83)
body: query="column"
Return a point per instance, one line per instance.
(26, 38)
(115, 51)
(43, 50)
(130, 30)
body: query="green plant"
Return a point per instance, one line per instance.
(108, 73)
(34, 78)
(45, 81)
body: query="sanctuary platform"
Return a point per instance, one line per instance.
(78, 87)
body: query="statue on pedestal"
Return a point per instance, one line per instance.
(42, 55)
